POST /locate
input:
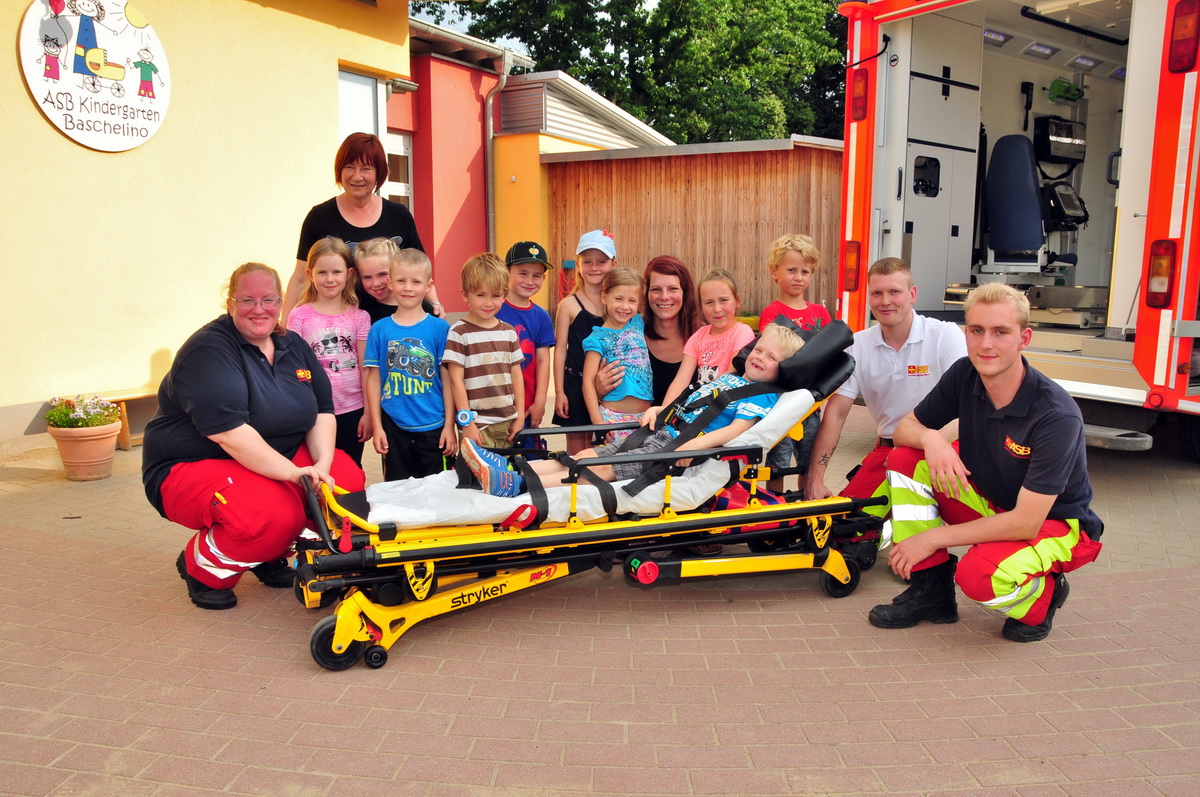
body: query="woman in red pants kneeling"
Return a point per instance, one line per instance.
(244, 413)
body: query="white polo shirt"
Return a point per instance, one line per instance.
(893, 382)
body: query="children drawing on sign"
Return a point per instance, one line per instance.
(148, 72)
(50, 59)
(90, 12)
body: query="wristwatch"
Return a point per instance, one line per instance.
(465, 417)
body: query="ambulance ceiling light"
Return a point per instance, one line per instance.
(1042, 52)
(995, 38)
(1082, 63)
(1118, 74)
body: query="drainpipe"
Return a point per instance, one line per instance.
(489, 146)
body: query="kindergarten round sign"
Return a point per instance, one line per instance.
(97, 70)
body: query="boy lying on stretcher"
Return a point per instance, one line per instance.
(762, 365)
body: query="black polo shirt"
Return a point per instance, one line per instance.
(218, 382)
(1036, 442)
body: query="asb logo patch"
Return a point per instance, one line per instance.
(918, 370)
(1015, 448)
(303, 375)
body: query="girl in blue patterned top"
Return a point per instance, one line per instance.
(621, 338)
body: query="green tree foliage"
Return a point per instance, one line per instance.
(695, 70)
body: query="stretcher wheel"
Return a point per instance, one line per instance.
(836, 589)
(865, 554)
(375, 657)
(321, 647)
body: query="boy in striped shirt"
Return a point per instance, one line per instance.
(483, 358)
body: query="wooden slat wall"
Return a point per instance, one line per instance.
(721, 210)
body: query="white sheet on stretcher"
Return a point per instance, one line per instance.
(436, 501)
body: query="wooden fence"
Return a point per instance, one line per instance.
(709, 209)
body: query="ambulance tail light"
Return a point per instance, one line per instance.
(1185, 34)
(851, 267)
(858, 90)
(1161, 274)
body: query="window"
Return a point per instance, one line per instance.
(362, 107)
(360, 104)
(398, 187)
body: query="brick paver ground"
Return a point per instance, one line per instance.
(111, 682)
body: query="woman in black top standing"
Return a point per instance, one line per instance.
(358, 214)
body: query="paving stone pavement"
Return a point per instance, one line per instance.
(111, 682)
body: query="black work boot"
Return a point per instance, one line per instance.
(930, 597)
(202, 595)
(1017, 631)
(277, 573)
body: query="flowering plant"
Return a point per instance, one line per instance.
(68, 413)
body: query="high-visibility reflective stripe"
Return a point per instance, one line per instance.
(1161, 352)
(1038, 557)
(885, 535)
(899, 481)
(1003, 603)
(210, 557)
(1182, 151)
(902, 513)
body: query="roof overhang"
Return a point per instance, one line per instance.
(426, 38)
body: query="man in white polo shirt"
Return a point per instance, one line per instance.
(897, 362)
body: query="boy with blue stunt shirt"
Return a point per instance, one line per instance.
(762, 365)
(407, 392)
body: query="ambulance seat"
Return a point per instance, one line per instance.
(1016, 221)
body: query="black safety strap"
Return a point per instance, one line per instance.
(466, 480)
(713, 405)
(608, 496)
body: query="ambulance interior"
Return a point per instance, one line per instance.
(1018, 121)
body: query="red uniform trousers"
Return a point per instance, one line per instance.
(1008, 577)
(242, 518)
(868, 477)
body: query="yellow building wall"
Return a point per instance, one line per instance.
(523, 197)
(111, 260)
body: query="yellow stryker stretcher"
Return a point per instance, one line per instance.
(394, 573)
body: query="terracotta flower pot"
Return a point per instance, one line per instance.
(87, 453)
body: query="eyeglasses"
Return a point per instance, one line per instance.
(270, 303)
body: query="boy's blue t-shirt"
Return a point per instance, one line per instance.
(627, 346)
(535, 331)
(752, 408)
(410, 376)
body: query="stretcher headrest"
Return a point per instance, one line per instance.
(820, 366)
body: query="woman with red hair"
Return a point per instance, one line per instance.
(359, 214)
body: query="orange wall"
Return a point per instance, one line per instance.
(449, 189)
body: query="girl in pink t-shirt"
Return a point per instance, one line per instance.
(328, 319)
(710, 351)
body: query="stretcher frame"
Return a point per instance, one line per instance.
(389, 581)
(386, 580)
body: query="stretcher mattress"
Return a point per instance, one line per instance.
(436, 500)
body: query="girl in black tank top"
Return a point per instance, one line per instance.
(581, 326)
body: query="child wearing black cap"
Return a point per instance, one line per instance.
(527, 266)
